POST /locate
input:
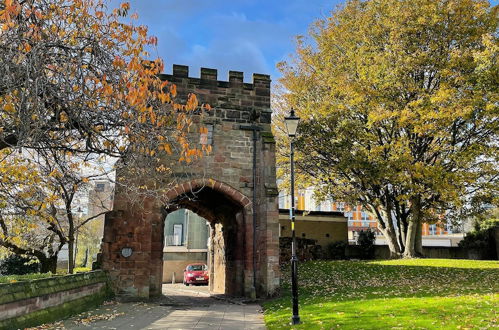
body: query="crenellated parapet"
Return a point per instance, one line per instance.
(232, 100)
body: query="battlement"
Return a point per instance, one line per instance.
(209, 76)
(233, 100)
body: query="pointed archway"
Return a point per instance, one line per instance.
(228, 212)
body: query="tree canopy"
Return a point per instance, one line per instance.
(76, 76)
(400, 107)
(77, 83)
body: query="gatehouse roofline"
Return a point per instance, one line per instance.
(232, 101)
(210, 76)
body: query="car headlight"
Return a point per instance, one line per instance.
(190, 274)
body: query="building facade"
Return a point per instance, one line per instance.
(186, 241)
(321, 226)
(439, 234)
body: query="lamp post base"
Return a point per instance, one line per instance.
(295, 320)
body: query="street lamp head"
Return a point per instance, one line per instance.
(292, 123)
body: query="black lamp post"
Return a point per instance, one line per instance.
(292, 125)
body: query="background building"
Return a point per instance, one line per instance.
(186, 242)
(439, 234)
(322, 226)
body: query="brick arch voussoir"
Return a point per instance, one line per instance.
(198, 184)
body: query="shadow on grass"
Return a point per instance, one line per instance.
(337, 276)
(344, 292)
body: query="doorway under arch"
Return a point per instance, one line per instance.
(226, 215)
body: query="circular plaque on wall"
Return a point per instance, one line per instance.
(126, 252)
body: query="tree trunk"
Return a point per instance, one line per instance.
(48, 264)
(387, 229)
(76, 248)
(71, 261)
(391, 240)
(400, 234)
(85, 260)
(414, 223)
(410, 240)
(419, 240)
(391, 233)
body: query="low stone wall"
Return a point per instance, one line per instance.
(31, 303)
(439, 252)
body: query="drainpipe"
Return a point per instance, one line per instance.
(255, 130)
(187, 217)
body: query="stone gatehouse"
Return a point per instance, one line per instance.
(244, 219)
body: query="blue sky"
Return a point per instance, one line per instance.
(242, 35)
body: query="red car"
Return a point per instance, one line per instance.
(196, 274)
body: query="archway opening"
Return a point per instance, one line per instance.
(223, 247)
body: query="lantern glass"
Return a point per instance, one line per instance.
(292, 123)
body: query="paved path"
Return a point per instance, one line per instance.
(181, 307)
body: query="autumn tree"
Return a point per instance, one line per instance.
(39, 201)
(78, 81)
(400, 106)
(75, 77)
(28, 216)
(65, 178)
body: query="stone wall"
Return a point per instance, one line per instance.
(30, 303)
(439, 252)
(224, 189)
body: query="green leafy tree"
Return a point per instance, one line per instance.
(400, 107)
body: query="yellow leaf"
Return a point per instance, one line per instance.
(9, 107)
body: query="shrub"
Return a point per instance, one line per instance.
(365, 241)
(335, 250)
(18, 265)
(82, 269)
(482, 238)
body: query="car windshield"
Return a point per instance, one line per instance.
(196, 267)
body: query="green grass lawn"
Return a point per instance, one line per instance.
(391, 294)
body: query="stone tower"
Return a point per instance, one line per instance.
(244, 249)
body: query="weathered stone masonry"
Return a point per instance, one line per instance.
(223, 181)
(33, 302)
